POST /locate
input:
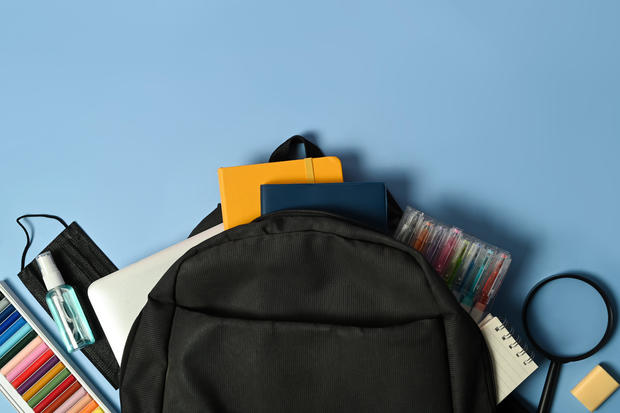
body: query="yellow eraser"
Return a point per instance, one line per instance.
(595, 388)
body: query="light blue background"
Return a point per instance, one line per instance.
(499, 117)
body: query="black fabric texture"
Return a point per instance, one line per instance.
(80, 262)
(304, 312)
(211, 220)
(286, 152)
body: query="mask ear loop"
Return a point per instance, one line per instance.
(28, 239)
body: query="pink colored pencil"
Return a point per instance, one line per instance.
(83, 402)
(72, 401)
(20, 356)
(28, 360)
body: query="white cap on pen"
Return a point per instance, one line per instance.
(51, 276)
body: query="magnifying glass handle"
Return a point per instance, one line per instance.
(549, 390)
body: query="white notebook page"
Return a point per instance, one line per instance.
(511, 363)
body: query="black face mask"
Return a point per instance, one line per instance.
(80, 262)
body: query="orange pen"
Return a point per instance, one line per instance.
(422, 237)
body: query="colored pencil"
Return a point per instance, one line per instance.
(41, 378)
(54, 394)
(90, 407)
(84, 401)
(11, 364)
(70, 402)
(66, 395)
(19, 346)
(34, 368)
(48, 388)
(26, 361)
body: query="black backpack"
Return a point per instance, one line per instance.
(304, 311)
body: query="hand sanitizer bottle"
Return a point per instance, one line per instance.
(64, 306)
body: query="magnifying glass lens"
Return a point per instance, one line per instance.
(567, 317)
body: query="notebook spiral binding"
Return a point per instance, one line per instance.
(515, 342)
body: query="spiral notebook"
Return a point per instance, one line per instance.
(511, 361)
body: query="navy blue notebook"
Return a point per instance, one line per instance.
(365, 202)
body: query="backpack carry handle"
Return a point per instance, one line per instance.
(285, 152)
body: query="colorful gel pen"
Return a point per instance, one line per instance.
(477, 276)
(448, 244)
(492, 284)
(408, 225)
(422, 236)
(472, 269)
(466, 267)
(434, 242)
(456, 261)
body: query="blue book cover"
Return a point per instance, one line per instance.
(365, 202)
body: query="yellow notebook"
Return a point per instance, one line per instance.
(240, 185)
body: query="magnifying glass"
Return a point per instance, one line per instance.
(564, 318)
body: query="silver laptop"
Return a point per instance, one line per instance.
(119, 297)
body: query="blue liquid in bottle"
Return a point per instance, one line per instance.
(64, 306)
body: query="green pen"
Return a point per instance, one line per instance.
(455, 263)
(462, 272)
(479, 271)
